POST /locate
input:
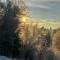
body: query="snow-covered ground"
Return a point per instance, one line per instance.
(4, 58)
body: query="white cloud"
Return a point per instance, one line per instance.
(44, 0)
(46, 4)
(32, 4)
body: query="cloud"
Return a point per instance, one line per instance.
(49, 20)
(38, 6)
(46, 4)
(34, 5)
(48, 24)
(44, 0)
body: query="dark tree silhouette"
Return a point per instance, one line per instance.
(10, 43)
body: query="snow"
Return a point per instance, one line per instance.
(4, 58)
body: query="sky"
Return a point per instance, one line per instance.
(44, 10)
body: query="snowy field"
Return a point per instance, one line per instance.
(6, 58)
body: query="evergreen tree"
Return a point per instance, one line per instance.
(10, 40)
(9, 37)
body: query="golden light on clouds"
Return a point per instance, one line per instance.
(48, 23)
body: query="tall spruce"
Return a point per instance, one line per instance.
(10, 42)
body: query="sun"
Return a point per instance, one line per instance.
(24, 19)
